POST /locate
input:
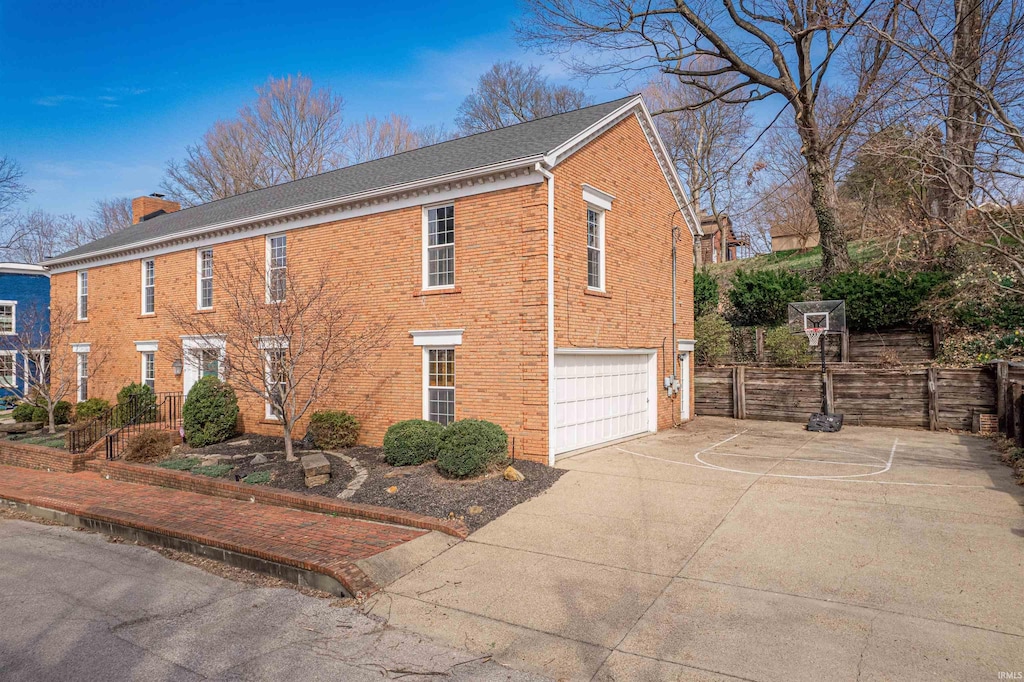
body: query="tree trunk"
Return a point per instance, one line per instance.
(289, 454)
(825, 204)
(51, 426)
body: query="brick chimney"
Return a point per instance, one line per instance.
(144, 208)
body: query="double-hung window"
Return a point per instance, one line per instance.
(8, 368)
(7, 323)
(83, 376)
(439, 247)
(204, 278)
(277, 267)
(149, 369)
(595, 248)
(277, 380)
(441, 385)
(148, 286)
(83, 294)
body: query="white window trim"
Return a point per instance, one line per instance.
(199, 277)
(597, 198)
(602, 271)
(144, 286)
(78, 297)
(79, 356)
(13, 383)
(267, 344)
(143, 355)
(426, 378)
(268, 263)
(14, 317)
(424, 256)
(437, 337)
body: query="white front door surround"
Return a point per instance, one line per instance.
(684, 350)
(192, 348)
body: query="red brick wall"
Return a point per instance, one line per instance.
(637, 310)
(39, 457)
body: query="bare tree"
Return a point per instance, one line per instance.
(784, 50)
(41, 234)
(293, 130)
(12, 192)
(434, 134)
(706, 143)
(108, 216)
(290, 338)
(47, 378)
(512, 93)
(374, 138)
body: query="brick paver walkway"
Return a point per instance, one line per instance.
(311, 541)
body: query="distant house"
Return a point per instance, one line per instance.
(790, 236)
(24, 308)
(525, 276)
(711, 250)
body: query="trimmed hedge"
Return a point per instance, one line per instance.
(469, 446)
(760, 297)
(881, 301)
(210, 412)
(22, 412)
(91, 408)
(333, 429)
(412, 442)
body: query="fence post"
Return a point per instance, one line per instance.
(936, 340)
(1002, 377)
(1014, 417)
(933, 398)
(844, 346)
(759, 343)
(739, 397)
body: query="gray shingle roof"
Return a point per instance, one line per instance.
(466, 153)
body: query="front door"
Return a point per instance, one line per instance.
(201, 361)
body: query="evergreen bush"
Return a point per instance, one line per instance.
(469, 446)
(333, 429)
(412, 442)
(760, 297)
(210, 412)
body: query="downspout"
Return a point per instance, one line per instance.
(539, 167)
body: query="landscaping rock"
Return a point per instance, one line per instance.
(316, 465)
(314, 481)
(512, 474)
(475, 510)
(213, 460)
(258, 459)
(20, 427)
(393, 489)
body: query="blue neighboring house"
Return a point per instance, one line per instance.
(24, 309)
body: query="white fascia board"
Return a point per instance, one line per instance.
(22, 269)
(596, 197)
(147, 346)
(516, 173)
(637, 107)
(437, 337)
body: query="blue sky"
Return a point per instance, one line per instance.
(97, 95)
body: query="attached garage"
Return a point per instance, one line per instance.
(602, 395)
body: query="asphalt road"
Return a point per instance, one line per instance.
(74, 606)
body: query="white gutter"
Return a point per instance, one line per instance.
(284, 213)
(551, 310)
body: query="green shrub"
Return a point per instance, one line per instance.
(62, 412)
(148, 446)
(705, 293)
(469, 446)
(136, 401)
(787, 349)
(39, 414)
(760, 297)
(180, 463)
(412, 442)
(880, 301)
(331, 429)
(210, 412)
(213, 470)
(257, 478)
(91, 408)
(711, 336)
(23, 412)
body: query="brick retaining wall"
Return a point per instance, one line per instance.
(18, 454)
(148, 475)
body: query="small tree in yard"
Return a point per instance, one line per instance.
(48, 379)
(289, 335)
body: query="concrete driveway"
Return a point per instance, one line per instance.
(739, 549)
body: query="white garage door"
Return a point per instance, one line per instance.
(599, 398)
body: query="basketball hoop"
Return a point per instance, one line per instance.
(813, 335)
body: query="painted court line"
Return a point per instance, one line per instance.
(796, 459)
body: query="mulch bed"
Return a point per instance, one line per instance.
(419, 489)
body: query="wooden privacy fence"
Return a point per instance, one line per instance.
(906, 346)
(1010, 399)
(931, 398)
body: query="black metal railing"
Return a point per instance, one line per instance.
(165, 414)
(82, 435)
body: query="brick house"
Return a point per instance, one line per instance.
(24, 306)
(711, 240)
(534, 263)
